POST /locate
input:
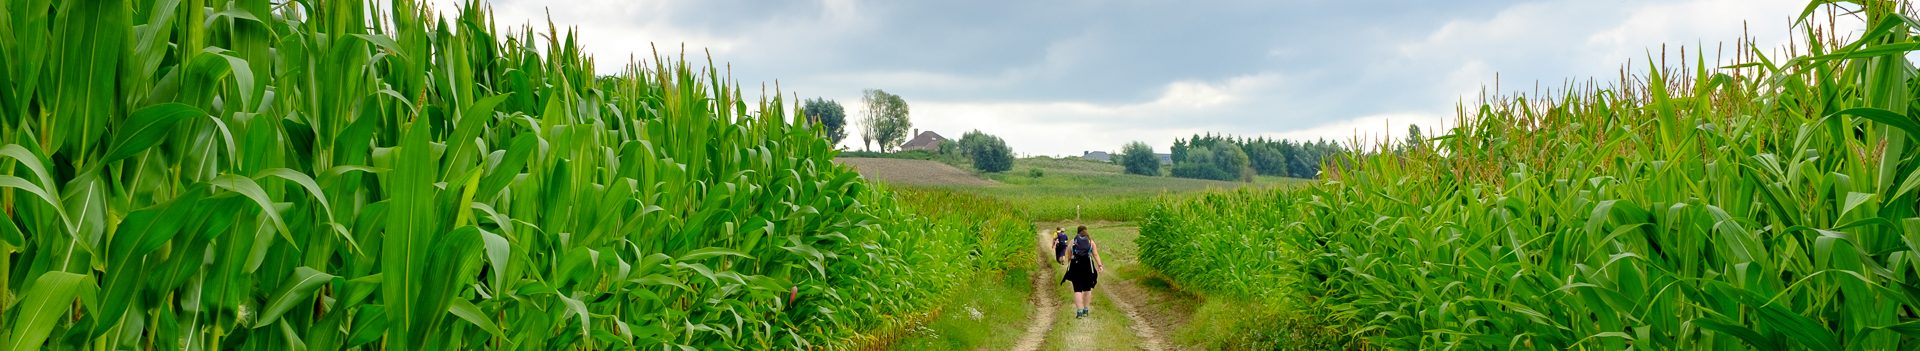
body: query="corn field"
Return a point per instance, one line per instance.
(327, 175)
(1767, 204)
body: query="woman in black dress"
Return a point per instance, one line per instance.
(1084, 271)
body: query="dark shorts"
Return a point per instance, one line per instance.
(1059, 251)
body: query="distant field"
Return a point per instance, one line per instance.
(1065, 188)
(1069, 176)
(913, 172)
(1082, 190)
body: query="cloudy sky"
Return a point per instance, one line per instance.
(1061, 77)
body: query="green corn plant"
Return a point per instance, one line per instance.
(252, 174)
(1767, 204)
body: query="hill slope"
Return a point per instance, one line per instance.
(912, 172)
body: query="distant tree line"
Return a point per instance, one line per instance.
(1220, 157)
(1285, 158)
(1211, 158)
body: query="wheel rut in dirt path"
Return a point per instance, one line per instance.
(1161, 312)
(1044, 303)
(1149, 338)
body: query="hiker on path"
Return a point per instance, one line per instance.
(1084, 271)
(1060, 241)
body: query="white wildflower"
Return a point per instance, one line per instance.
(244, 314)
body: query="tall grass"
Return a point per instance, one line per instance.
(1769, 204)
(1000, 242)
(221, 174)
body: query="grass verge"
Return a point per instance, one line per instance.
(1233, 324)
(979, 316)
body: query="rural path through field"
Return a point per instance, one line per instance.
(1114, 323)
(1044, 305)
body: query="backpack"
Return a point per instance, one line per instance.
(1060, 240)
(1081, 247)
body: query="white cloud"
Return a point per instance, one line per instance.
(1070, 127)
(1201, 95)
(612, 31)
(1573, 40)
(1371, 129)
(1711, 25)
(1540, 47)
(896, 80)
(1057, 129)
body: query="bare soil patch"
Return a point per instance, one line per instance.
(912, 172)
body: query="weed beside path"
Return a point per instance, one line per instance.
(979, 316)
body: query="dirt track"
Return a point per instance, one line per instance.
(1044, 303)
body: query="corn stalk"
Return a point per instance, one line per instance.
(1768, 204)
(222, 174)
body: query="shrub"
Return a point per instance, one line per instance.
(988, 152)
(830, 115)
(1138, 158)
(949, 147)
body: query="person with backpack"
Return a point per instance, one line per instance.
(1059, 246)
(1083, 270)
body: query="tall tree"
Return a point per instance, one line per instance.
(1299, 163)
(1414, 137)
(1139, 159)
(829, 114)
(1198, 164)
(1266, 158)
(885, 118)
(1179, 151)
(1233, 161)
